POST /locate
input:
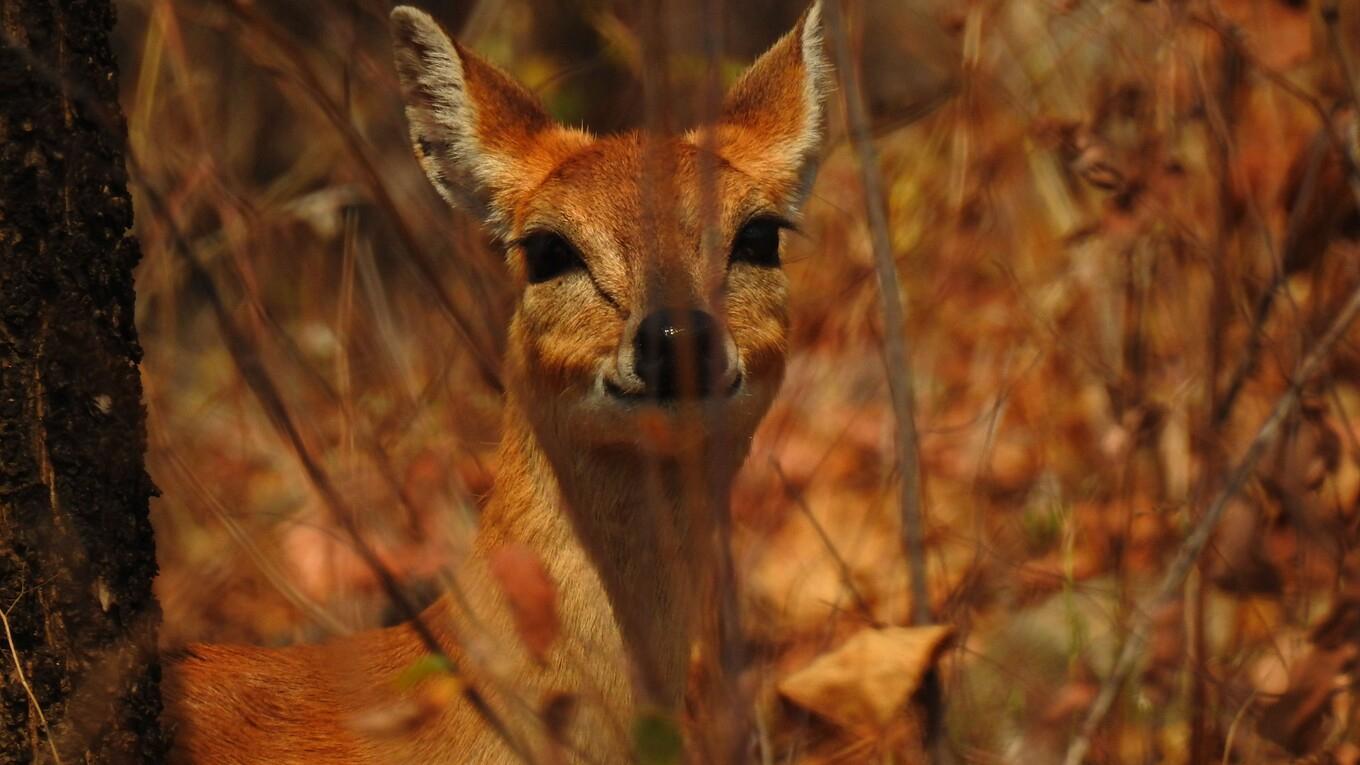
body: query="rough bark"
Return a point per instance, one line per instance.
(80, 679)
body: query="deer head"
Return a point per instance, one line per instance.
(624, 310)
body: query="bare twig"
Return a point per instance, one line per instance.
(1232, 728)
(23, 682)
(1222, 114)
(309, 83)
(763, 742)
(842, 567)
(1331, 19)
(1329, 131)
(897, 358)
(1171, 584)
(1343, 144)
(894, 340)
(267, 568)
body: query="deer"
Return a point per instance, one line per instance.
(648, 340)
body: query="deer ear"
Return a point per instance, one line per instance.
(481, 137)
(772, 119)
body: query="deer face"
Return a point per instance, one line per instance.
(651, 287)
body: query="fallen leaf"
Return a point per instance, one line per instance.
(531, 595)
(1296, 720)
(1278, 32)
(1072, 699)
(868, 680)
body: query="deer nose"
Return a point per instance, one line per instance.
(678, 353)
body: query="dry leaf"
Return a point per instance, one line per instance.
(1297, 719)
(868, 680)
(1072, 699)
(531, 596)
(1241, 564)
(1277, 32)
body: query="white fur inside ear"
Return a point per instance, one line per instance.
(816, 88)
(441, 117)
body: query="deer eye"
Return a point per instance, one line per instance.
(548, 256)
(758, 242)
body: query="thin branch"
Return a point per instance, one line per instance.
(894, 329)
(1266, 302)
(23, 682)
(1232, 728)
(1331, 19)
(842, 567)
(1338, 142)
(309, 83)
(314, 611)
(1190, 549)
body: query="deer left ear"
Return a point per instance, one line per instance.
(772, 119)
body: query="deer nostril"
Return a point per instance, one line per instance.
(678, 353)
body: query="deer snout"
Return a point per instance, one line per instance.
(681, 353)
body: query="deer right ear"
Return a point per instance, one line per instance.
(773, 114)
(480, 136)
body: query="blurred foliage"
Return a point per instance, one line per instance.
(657, 740)
(1091, 202)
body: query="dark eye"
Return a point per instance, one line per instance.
(758, 243)
(548, 256)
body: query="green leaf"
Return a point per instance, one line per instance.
(425, 667)
(657, 740)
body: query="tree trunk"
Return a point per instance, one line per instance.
(77, 642)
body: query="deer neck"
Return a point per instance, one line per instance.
(628, 539)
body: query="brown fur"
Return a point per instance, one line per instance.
(617, 499)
